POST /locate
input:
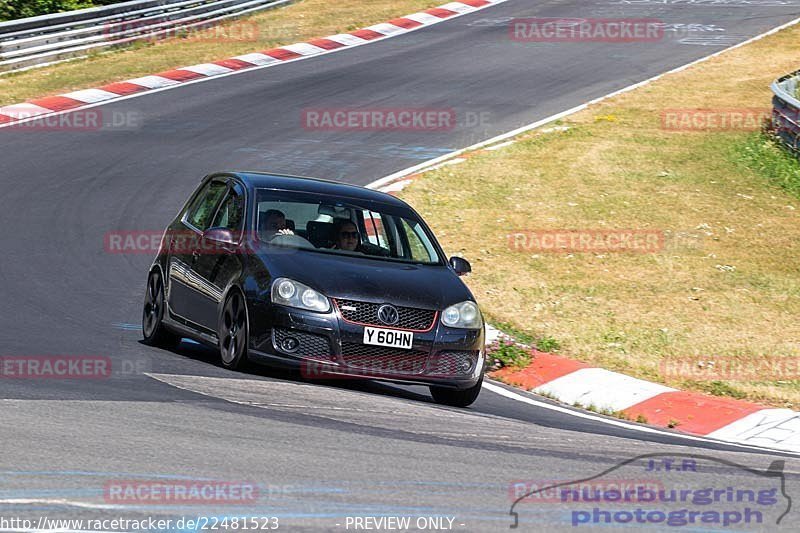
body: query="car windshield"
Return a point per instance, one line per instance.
(340, 226)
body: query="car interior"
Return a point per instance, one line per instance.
(315, 224)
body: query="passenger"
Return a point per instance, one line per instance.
(346, 236)
(275, 224)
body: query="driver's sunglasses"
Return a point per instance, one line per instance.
(351, 234)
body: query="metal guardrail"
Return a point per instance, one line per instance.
(786, 110)
(48, 39)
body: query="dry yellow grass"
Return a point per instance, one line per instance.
(303, 20)
(616, 168)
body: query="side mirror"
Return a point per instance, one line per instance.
(219, 235)
(460, 265)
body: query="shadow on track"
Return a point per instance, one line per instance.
(204, 354)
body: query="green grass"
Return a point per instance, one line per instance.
(518, 335)
(300, 21)
(541, 343)
(509, 354)
(725, 284)
(764, 154)
(609, 412)
(547, 344)
(718, 388)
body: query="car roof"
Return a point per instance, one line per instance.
(314, 186)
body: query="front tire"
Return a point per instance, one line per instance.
(233, 332)
(456, 398)
(154, 331)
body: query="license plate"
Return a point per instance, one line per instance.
(388, 337)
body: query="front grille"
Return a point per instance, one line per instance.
(311, 346)
(367, 313)
(381, 360)
(453, 363)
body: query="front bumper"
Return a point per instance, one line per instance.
(329, 347)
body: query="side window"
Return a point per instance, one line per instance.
(231, 213)
(420, 247)
(375, 231)
(202, 209)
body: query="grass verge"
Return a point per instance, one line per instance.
(296, 22)
(726, 284)
(508, 354)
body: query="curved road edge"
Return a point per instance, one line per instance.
(719, 419)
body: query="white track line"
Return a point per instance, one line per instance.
(387, 180)
(533, 125)
(502, 391)
(57, 501)
(165, 84)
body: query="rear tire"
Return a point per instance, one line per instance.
(233, 332)
(154, 331)
(456, 398)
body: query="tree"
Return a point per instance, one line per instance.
(17, 9)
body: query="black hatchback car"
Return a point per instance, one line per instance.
(334, 279)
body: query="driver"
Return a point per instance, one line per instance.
(275, 224)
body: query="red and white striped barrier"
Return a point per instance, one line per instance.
(726, 419)
(41, 107)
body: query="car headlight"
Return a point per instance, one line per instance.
(292, 293)
(464, 315)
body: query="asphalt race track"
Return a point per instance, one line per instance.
(320, 453)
